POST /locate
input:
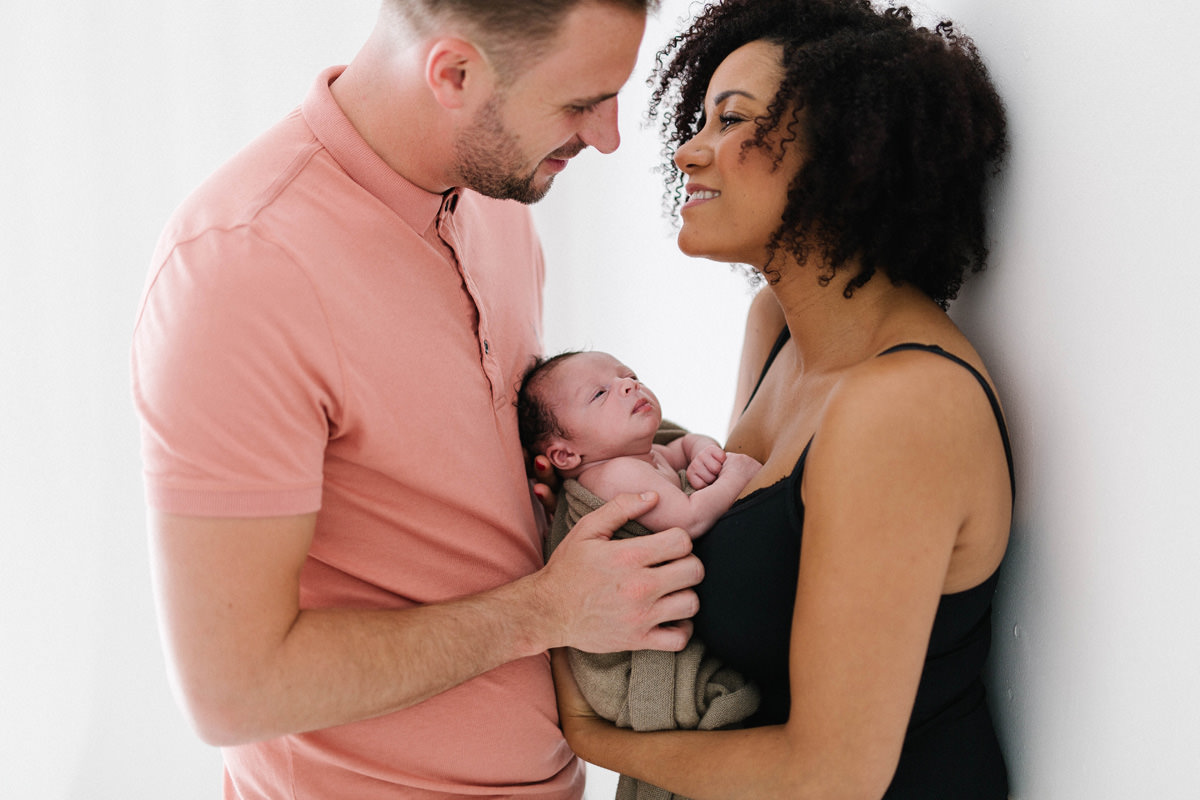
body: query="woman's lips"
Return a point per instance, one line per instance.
(700, 194)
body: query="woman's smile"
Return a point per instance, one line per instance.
(698, 194)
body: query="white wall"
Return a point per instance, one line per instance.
(113, 111)
(1088, 320)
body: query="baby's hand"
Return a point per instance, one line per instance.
(741, 465)
(706, 466)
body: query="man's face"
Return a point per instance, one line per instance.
(528, 130)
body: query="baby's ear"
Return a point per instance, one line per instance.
(561, 456)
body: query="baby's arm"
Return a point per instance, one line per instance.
(681, 451)
(695, 513)
(700, 455)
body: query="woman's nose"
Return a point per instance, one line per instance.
(690, 155)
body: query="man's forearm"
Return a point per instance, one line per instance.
(336, 666)
(250, 664)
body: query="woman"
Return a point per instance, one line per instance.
(841, 152)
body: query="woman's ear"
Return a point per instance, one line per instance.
(562, 457)
(455, 70)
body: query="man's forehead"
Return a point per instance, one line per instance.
(595, 49)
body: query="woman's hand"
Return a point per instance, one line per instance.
(574, 712)
(545, 482)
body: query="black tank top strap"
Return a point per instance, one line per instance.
(991, 396)
(780, 341)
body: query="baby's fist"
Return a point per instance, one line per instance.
(706, 466)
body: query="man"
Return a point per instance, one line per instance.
(346, 552)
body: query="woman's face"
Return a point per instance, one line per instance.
(735, 197)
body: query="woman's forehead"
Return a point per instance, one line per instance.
(752, 70)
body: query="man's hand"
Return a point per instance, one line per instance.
(630, 594)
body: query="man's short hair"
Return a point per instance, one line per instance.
(511, 32)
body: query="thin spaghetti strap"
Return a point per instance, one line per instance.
(780, 341)
(991, 396)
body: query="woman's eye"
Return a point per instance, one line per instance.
(729, 119)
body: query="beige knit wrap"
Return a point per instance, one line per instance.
(651, 690)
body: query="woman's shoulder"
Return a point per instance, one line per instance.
(918, 401)
(924, 379)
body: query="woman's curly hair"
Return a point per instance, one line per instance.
(900, 129)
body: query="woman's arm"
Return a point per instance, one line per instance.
(764, 321)
(886, 491)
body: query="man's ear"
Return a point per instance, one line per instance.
(561, 456)
(455, 70)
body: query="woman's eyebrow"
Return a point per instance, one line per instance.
(725, 95)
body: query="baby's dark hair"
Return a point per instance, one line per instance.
(536, 422)
(899, 128)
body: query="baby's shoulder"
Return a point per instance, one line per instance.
(621, 474)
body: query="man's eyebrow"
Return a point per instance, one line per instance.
(588, 102)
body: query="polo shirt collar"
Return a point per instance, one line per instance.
(411, 203)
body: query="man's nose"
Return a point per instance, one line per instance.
(600, 129)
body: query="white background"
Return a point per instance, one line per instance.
(112, 111)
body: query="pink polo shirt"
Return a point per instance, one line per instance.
(318, 334)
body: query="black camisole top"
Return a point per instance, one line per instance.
(751, 559)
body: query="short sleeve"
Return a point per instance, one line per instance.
(235, 377)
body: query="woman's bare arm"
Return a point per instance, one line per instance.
(763, 323)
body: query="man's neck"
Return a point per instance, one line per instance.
(383, 97)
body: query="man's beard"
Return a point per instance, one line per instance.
(488, 160)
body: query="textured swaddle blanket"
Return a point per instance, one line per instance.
(651, 690)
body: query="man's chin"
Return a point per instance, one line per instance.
(531, 192)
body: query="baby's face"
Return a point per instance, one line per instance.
(605, 408)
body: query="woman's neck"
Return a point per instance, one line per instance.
(832, 331)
